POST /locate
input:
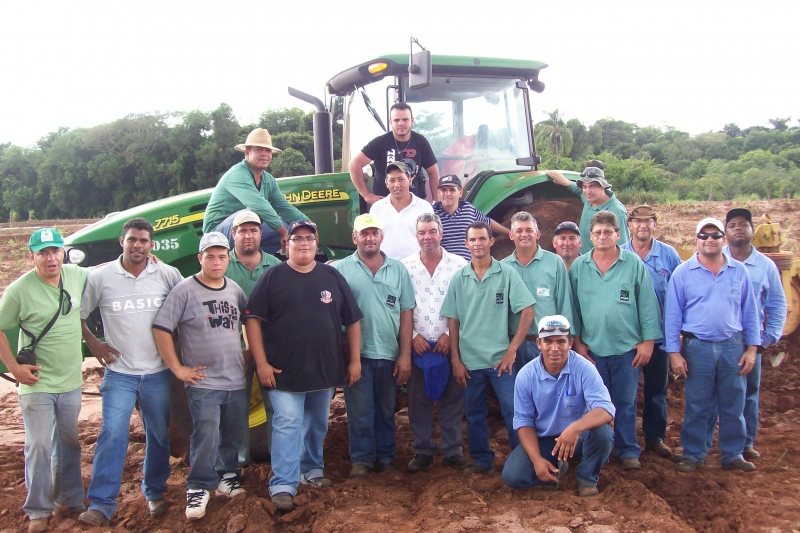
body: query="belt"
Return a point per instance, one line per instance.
(531, 338)
(688, 335)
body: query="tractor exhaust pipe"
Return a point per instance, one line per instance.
(323, 135)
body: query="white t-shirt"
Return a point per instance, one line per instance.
(129, 306)
(399, 227)
(429, 292)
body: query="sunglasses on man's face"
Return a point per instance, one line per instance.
(717, 235)
(551, 329)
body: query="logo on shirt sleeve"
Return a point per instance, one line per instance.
(624, 296)
(391, 301)
(499, 298)
(325, 297)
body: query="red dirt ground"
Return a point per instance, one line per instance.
(655, 498)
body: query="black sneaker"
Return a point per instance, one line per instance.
(458, 461)
(419, 462)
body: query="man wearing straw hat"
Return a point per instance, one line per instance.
(247, 186)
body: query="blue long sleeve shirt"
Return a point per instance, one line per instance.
(714, 308)
(661, 262)
(768, 290)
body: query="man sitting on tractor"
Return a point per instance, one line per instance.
(247, 185)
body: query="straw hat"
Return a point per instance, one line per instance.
(258, 137)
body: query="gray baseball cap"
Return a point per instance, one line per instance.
(214, 238)
(591, 174)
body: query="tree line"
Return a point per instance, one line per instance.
(661, 165)
(88, 172)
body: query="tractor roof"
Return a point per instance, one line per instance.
(345, 82)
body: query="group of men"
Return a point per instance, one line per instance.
(560, 338)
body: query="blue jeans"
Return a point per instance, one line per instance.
(476, 410)
(52, 452)
(270, 239)
(750, 408)
(751, 403)
(712, 382)
(298, 431)
(119, 392)
(593, 449)
(370, 413)
(622, 381)
(654, 410)
(217, 434)
(527, 352)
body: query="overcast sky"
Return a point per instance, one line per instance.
(695, 65)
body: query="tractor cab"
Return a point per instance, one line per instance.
(474, 111)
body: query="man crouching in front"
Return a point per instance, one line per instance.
(561, 410)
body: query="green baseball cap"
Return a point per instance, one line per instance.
(45, 238)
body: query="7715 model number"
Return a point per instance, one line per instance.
(166, 222)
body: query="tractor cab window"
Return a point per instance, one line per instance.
(473, 124)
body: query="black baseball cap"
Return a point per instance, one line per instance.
(450, 180)
(302, 224)
(739, 212)
(567, 226)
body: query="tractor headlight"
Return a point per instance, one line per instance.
(76, 256)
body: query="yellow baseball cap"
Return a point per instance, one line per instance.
(365, 221)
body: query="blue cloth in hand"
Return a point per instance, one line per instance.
(436, 367)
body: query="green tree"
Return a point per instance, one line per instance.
(290, 162)
(553, 135)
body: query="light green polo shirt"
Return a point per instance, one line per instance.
(483, 309)
(382, 298)
(547, 280)
(245, 279)
(613, 205)
(616, 311)
(31, 303)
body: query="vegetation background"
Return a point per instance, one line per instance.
(88, 172)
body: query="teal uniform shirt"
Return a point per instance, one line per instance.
(547, 280)
(242, 275)
(613, 205)
(616, 311)
(236, 190)
(382, 298)
(483, 309)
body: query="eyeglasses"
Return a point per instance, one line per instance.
(717, 235)
(308, 238)
(551, 329)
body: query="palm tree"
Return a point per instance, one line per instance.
(553, 135)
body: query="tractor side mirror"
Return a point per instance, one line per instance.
(419, 70)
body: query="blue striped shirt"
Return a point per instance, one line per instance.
(455, 226)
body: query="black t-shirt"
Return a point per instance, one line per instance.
(416, 154)
(301, 322)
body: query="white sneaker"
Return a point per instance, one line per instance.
(196, 501)
(230, 485)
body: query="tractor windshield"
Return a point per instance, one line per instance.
(473, 124)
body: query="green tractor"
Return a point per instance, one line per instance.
(475, 112)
